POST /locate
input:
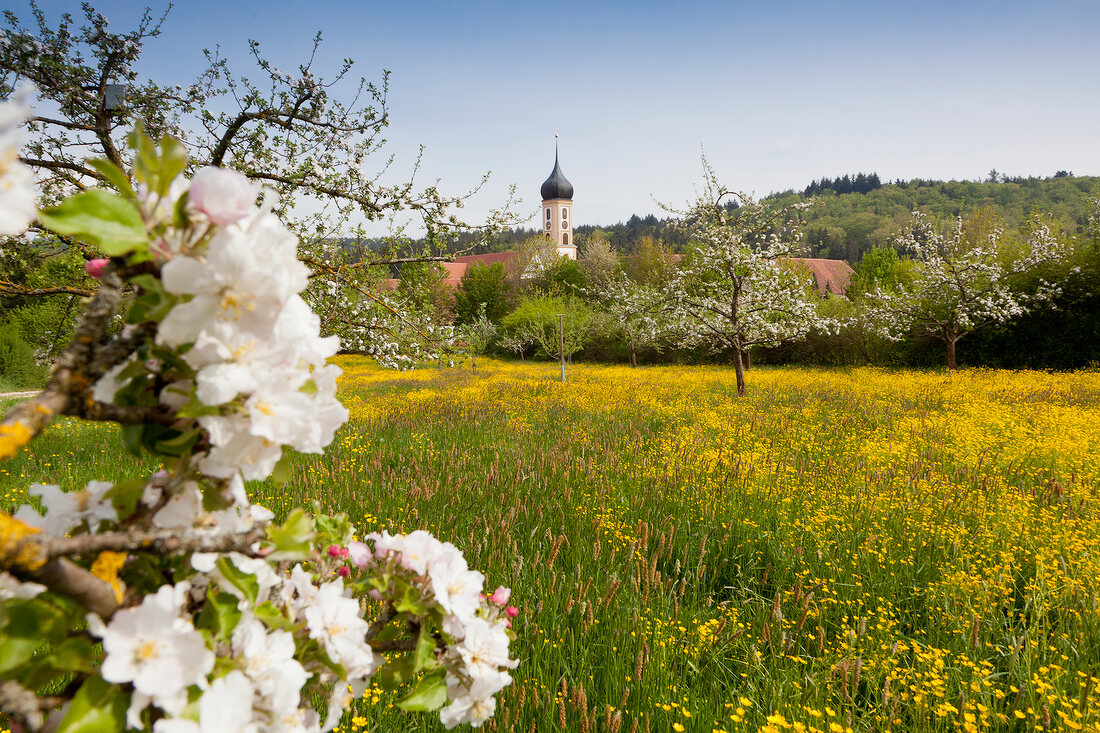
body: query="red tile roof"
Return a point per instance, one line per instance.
(457, 267)
(487, 259)
(831, 276)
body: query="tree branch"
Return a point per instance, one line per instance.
(158, 541)
(9, 288)
(72, 376)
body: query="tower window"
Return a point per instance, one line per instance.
(548, 216)
(565, 216)
(564, 237)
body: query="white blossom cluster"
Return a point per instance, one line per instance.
(381, 325)
(260, 383)
(255, 345)
(640, 311)
(475, 627)
(156, 648)
(961, 284)
(17, 195)
(738, 288)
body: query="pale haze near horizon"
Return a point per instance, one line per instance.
(775, 94)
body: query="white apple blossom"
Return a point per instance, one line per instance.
(153, 646)
(243, 278)
(418, 549)
(68, 510)
(468, 710)
(269, 662)
(223, 196)
(457, 588)
(226, 707)
(259, 362)
(12, 587)
(484, 648)
(17, 194)
(236, 450)
(335, 620)
(473, 703)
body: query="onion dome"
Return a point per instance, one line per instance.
(556, 186)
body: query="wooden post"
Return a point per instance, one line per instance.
(561, 343)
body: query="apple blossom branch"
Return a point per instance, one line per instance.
(79, 366)
(22, 703)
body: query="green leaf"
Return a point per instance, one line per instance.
(101, 218)
(424, 653)
(145, 162)
(272, 617)
(395, 673)
(292, 539)
(410, 602)
(28, 624)
(154, 302)
(114, 175)
(429, 694)
(16, 650)
(72, 655)
(310, 387)
(131, 438)
(220, 615)
(283, 469)
(98, 707)
(214, 498)
(180, 444)
(195, 408)
(125, 496)
(173, 159)
(246, 583)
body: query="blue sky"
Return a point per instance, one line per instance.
(776, 93)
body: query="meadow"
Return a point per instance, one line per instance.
(840, 550)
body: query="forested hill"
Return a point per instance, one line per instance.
(844, 226)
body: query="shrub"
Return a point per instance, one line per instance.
(18, 364)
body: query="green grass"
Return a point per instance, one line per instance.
(662, 537)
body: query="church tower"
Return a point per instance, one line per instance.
(557, 210)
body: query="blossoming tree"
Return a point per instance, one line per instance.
(962, 283)
(308, 137)
(637, 310)
(735, 290)
(170, 602)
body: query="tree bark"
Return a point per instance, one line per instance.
(739, 367)
(951, 337)
(633, 356)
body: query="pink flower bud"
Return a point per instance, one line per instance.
(375, 594)
(333, 550)
(501, 595)
(225, 196)
(359, 553)
(95, 267)
(512, 611)
(343, 571)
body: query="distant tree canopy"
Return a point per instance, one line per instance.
(484, 289)
(860, 212)
(859, 183)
